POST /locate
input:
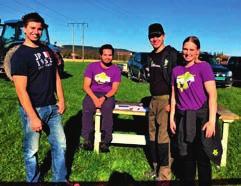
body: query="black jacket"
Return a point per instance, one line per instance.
(166, 60)
(189, 126)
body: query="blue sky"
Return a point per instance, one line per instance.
(124, 23)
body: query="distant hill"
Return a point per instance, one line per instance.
(91, 52)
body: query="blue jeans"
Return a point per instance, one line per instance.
(52, 126)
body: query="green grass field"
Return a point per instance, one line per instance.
(88, 166)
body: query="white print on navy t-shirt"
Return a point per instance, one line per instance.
(43, 60)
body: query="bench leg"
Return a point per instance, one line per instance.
(225, 144)
(97, 131)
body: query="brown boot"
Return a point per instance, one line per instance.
(164, 173)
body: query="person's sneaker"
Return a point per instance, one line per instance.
(87, 145)
(104, 147)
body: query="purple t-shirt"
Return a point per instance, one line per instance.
(102, 79)
(189, 85)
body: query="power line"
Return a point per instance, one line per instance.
(50, 13)
(10, 9)
(54, 11)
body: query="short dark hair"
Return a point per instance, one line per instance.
(106, 46)
(33, 16)
(193, 39)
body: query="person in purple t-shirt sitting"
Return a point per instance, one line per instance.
(101, 82)
(193, 112)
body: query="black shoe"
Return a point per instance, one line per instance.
(104, 147)
(87, 145)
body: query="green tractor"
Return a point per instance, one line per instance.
(12, 35)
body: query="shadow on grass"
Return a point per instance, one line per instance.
(4, 77)
(65, 75)
(72, 129)
(237, 83)
(138, 125)
(117, 182)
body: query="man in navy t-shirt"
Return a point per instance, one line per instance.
(37, 82)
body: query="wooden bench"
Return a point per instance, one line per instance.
(117, 138)
(225, 115)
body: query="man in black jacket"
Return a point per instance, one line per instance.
(162, 60)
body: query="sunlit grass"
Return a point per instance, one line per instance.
(88, 166)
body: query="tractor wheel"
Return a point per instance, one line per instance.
(139, 78)
(7, 59)
(129, 74)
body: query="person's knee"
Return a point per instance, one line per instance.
(163, 137)
(58, 140)
(30, 152)
(108, 105)
(31, 146)
(106, 111)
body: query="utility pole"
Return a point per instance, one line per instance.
(83, 46)
(83, 28)
(73, 34)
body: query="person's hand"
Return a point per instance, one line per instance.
(167, 108)
(102, 100)
(35, 124)
(97, 102)
(173, 126)
(210, 129)
(61, 107)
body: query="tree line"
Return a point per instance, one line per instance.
(93, 53)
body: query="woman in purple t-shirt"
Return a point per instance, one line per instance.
(193, 112)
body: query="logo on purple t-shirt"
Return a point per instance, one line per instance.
(102, 79)
(189, 83)
(184, 80)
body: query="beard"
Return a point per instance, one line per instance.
(106, 64)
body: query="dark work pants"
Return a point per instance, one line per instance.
(196, 158)
(159, 137)
(89, 110)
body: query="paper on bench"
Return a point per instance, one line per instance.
(122, 107)
(130, 107)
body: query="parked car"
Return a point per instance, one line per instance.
(137, 66)
(123, 67)
(223, 75)
(234, 64)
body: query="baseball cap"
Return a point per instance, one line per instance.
(155, 29)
